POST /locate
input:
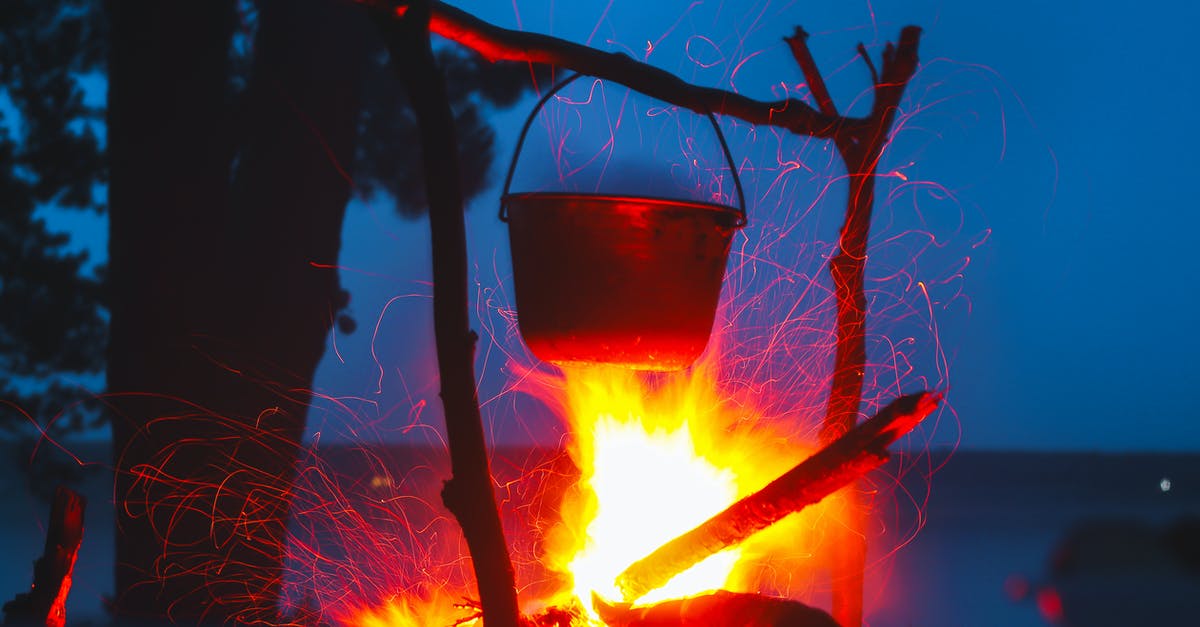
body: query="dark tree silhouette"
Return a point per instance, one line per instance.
(236, 134)
(52, 327)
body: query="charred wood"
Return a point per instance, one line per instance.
(45, 603)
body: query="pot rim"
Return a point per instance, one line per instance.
(659, 201)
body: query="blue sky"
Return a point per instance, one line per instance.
(1048, 149)
(1062, 132)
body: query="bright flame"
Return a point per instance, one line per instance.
(414, 610)
(649, 486)
(658, 455)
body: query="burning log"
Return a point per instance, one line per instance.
(847, 458)
(719, 609)
(45, 603)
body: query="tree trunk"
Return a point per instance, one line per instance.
(219, 316)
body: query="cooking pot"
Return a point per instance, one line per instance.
(627, 280)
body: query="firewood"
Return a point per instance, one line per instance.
(845, 459)
(718, 609)
(45, 603)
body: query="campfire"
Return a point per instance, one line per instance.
(671, 489)
(684, 506)
(683, 502)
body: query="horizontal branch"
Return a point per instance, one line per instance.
(845, 459)
(502, 44)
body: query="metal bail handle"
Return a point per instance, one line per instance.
(512, 167)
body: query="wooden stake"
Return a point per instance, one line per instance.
(468, 494)
(860, 147)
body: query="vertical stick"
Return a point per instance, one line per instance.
(468, 494)
(860, 145)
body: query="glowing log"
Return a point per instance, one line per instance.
(847, 458)
(45, 603)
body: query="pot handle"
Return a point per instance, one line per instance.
(512, 167)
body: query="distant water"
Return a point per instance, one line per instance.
(995, 515)
(989, 517)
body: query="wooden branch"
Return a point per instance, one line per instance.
(468, 494)
(45, 603)
(860, 148)
(816, 83)
(840, 462)
(502, 44)
(866, 57)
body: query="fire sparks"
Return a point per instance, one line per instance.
(651, 457)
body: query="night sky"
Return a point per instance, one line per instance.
(1047, 152)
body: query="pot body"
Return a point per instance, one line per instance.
(619, 280)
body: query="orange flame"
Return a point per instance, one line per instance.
(437, 607)
(658, 455)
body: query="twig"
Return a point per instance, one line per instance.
(860, 149)
(816, 83)
(866, 57)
